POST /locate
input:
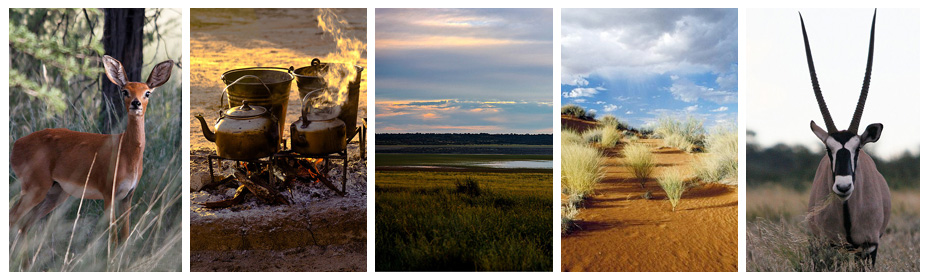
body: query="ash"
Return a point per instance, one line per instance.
(307, 198)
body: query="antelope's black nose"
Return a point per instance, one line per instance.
(136, 103)
(843, 188)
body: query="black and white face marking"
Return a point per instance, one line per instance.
(843, 149)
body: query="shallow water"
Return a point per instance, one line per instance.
(540, 164)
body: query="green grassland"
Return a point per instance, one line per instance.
(424, 222)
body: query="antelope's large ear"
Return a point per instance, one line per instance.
(114, 71)
(872, 133)
(819, 132)
(160, 74)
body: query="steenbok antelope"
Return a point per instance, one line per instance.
(54, 163)
(849, 203)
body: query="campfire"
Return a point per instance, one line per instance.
(259, 179)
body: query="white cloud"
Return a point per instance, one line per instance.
(581, 92)
(607, 42)
(580, 100)
(600, 102)
(720, 109)
(692, 108)
(687, 91)
(628, 112)
(578, 81)
(610, 108)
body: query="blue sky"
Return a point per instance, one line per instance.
(464, 70)
(641, 64)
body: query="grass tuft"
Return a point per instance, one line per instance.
(581, 169)
(610, 137)
(674, 184)
(467, 186)
(639, 160)
(720, 164)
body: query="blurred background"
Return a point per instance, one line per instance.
(57, 81)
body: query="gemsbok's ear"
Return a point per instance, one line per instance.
(819, 132)
(872, 133)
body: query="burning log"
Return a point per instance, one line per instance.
(306, 171)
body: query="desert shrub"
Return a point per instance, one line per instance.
(569, 214)
(678, 142)
(639, 160)
(721, 161)
(610, 137)
(570, 136)
(573, 110)
(690, 129)
(468, 186)
(612, 121)
(593, 135)
(673, 183)
(581, 169)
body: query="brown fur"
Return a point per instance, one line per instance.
(54, 163)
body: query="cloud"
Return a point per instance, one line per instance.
(610, 108)
(581, 92)
(685, 90)
(607, 42)
(720, 109)
(454, 115)
(598, 102)
(580, 100)
(691, 108)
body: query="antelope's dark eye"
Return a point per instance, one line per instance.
(125, 93)
(147, 93)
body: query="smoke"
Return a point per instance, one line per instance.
(341, 64)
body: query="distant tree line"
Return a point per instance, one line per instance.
(463, 139)
(794, 166)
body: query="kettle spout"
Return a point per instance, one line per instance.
(206, 131)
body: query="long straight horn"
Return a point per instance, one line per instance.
(855, 122)
(829, 123)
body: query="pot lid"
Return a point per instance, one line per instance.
(246, 111)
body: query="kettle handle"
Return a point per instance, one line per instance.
(303, 107)
(226, 89)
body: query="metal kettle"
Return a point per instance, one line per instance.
(246, 132)
(315, 133)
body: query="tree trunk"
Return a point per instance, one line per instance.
(122, 39)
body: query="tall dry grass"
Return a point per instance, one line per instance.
(673, 182)
(778, 238)
(610, 137)
(581, 169)
(593, 135)
(639, 160)
(720, 164)
(681, 134)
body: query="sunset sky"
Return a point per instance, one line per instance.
(641, 64)
(464, 70)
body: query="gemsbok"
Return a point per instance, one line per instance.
(850, 202)
(53, 164)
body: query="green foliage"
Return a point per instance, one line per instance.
(639, 161)
(423, 225)
(674, 184)
(581, 168)
(53, 56)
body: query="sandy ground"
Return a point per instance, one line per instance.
(255, 236)
(621, 231)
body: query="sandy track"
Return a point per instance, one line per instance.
(620, 231)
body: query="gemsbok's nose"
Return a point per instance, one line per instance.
(843, 188)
